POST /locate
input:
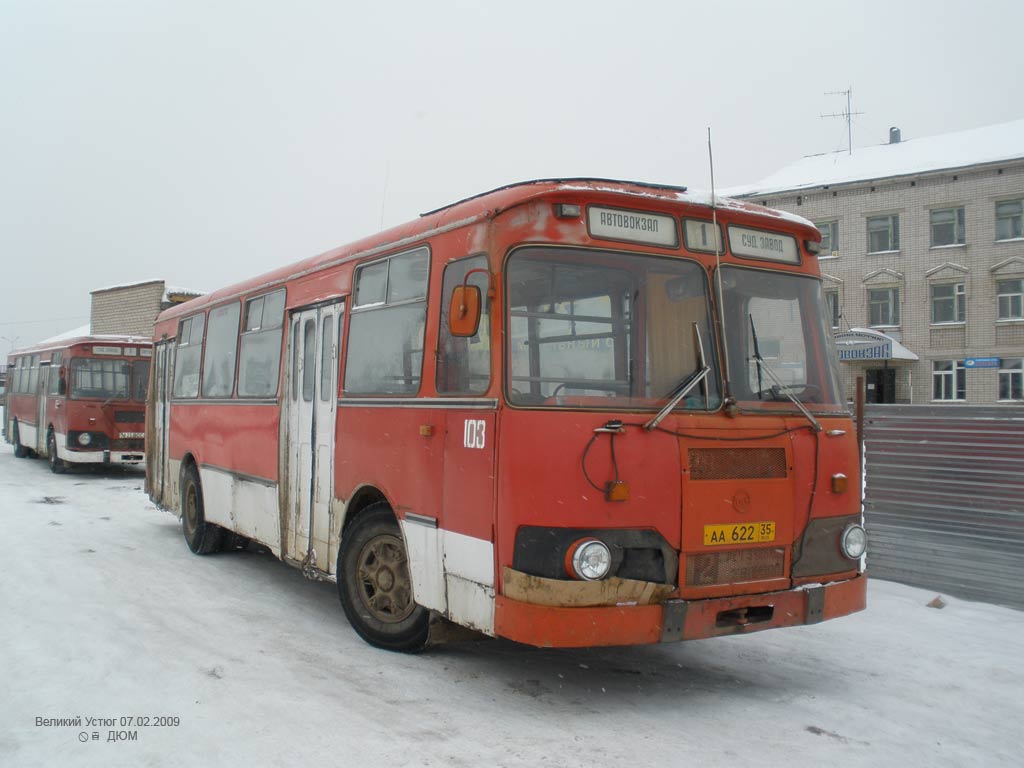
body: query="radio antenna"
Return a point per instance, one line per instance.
(729, 401)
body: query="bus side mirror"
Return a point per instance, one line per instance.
(464, 311)
(62, 384)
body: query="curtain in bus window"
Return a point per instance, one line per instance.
(219, 354)
(96, 379)
(464, 364)
(259, 354)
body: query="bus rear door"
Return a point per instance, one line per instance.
(312, 398)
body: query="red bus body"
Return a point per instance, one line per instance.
(79, 400)
(724, 518)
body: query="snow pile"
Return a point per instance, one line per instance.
(108, 615)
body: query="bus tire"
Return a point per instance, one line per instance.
(20, 451)
(57, 465)
(202, 537)
(374, 583)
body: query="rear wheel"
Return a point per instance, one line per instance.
(57, 465)
(20, 451)
(374, 583)
(202, 537)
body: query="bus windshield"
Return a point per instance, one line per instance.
(599, 329)
(100, 379)
(779, 318)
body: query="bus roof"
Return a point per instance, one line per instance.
(481, 207)
(58, 342)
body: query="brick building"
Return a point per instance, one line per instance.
(923, 261)
(131, 309)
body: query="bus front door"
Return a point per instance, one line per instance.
(41, 420)
(312, 397)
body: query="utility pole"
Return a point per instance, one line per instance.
(847, 114)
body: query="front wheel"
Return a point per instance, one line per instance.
(57, 465)
(20, 451)
(202, 537)
(374, 583)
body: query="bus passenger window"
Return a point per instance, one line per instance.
(308, 360)
(386, 332)
(464, 365)
(190, 348)
(259, 354)
(326, 356)
(55, 362)
(219, 354)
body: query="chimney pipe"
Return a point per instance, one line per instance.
(894, 135)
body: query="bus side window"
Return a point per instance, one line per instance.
(55, 363)
(464, 364)
(387, 325)
(219, 354)
(259, 354)
(190, 349)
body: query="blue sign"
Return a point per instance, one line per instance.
(981, 362)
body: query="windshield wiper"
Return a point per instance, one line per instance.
(762, 364)
(684, 387)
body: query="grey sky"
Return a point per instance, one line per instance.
(204, 142)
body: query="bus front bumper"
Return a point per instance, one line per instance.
(674, 620)
(102, 457)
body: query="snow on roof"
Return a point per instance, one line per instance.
(126, 285)
(74, 333)
(977, 146)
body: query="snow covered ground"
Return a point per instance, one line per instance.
(105, 614)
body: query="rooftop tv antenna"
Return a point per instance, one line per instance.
(847, 114)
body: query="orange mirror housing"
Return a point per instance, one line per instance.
(464, 311)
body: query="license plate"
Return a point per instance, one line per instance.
(738, 533)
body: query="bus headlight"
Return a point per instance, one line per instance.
(853, 542)
(590, 559)
(84, 438)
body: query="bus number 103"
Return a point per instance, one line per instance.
(473, 433)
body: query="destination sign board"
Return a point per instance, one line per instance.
(633, 226)
(758, 244)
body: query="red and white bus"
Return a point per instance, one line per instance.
(551, 412)
(79, 400)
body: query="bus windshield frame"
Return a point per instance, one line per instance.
(601, 329)
(779, 316)
(108, 379)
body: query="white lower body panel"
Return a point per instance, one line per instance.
(247, 507)
(452, 574)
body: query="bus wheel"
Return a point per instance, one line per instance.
(57, 464)
(374, 583)
(202, 537)
(20, 451)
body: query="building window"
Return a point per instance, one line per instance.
(948, 304)
(947, 227)
(1010, 296)
(1010, 220)
(829, 238)
(884, 306)
(883, 233)
(1011, 378)
(832, 307)
(949, 380)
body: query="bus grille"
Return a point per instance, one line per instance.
(130, 417)
(735, 567)
(736, 463)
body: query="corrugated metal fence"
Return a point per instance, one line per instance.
(944, 505)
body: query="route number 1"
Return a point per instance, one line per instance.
(473, 434)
